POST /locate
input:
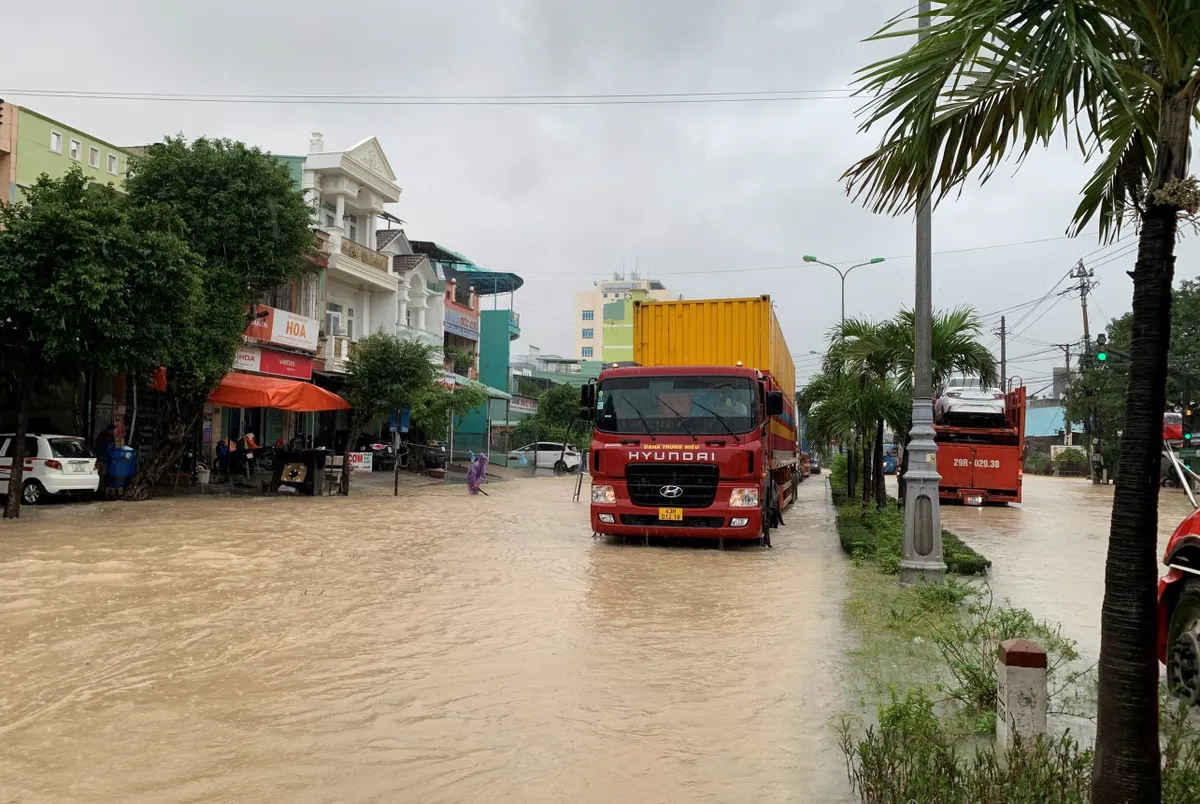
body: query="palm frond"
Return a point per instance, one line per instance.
(994, 78)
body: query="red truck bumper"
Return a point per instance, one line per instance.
(714, 522)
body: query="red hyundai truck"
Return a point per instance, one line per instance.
(982, 465)
(697, 438)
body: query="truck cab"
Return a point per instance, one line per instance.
(685, 451)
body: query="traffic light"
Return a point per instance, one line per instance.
(1101, 347)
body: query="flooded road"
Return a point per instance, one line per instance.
(1048, 553)
(431, 648)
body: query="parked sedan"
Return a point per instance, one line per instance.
(966, 402)
(54, 465)
(547, 454)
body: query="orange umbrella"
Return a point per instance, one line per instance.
(257, 391)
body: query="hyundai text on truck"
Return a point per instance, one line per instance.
(980, 458)
(697, 437)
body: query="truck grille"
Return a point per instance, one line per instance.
(698, 483)
(652, 521)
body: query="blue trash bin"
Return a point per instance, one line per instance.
(122, 463)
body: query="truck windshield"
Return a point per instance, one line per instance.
(676, 405)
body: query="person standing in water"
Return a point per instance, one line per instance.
(477, 474)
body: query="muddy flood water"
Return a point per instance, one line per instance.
(430, 648)
(1048, 554)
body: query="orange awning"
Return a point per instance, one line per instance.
(257, 391)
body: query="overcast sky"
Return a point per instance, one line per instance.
(705, 197)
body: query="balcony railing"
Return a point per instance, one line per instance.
(338, 243)
(336, 352)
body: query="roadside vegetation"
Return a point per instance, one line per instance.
(975, 84)
(877, 534)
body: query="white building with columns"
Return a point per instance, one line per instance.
(420, 303)
(348, 190)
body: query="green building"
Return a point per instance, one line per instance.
(32, 144)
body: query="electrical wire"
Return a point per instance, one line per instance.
(613, 99)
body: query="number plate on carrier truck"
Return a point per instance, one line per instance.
(670, 514)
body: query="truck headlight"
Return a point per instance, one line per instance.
(743, 498)
(603, 495)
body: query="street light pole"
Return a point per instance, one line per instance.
(921, 553)
(843, 275)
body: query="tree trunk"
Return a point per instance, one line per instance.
(155, 463)
(851, 470)
(1127, 765)
(16, 478)
(880, 488)
(867, 489)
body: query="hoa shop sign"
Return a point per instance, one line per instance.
(269, 361)
(284, 328)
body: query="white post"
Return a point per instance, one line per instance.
(1021, 699)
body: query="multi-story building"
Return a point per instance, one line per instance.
(420, 293)
(348, 190)
(604, 317)
(32, 144)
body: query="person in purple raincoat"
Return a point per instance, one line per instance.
(477, 473)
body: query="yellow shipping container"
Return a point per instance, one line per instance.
(714, 332)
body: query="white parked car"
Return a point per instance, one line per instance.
(549, 454)
(965, 401)
(54, 464)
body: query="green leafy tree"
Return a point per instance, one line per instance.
(556, 420)
(1119, 78)
(250, 225)
(87, 283)
(385, 373)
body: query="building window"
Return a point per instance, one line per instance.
(308, 295)
(350, 323)
(586, 351)
(94, 158)
(408, 318)
(351, 224)
(56, 142)
(112, 164)
(333, 319)
(280, 298)
(76, 150)
(588, 334)
(589, 315)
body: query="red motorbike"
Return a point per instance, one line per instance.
(1179, 600)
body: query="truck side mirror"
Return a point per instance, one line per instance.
(587, 402)
(775, 403)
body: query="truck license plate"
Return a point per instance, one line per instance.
(670, 514)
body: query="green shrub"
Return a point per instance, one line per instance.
(1037, 463)
(1071, 456)
(879, 535)
(969, 646)
(910, 757)
(837, 472)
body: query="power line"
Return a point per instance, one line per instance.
(740, 96)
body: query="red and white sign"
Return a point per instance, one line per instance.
(269, 361)
(523, 404)
(284, 328)
(361, 461)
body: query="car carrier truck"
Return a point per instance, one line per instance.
(697, 437)
(984, 464)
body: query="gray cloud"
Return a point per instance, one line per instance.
(566, 195)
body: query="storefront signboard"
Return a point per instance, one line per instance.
(466, 326)
(361, 461)
(523, 404)
(284, 328)
(269, 361)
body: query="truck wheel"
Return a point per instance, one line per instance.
(1183, 645)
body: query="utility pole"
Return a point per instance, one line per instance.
(1069, 437)
(1084, 276)
(1003, 357)
(921, 553)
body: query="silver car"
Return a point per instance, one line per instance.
(966, 402)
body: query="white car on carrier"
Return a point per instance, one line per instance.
(54, 465)
(965, 402)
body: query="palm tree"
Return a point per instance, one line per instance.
(865, 348)
(827, 403)
(993, 79)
